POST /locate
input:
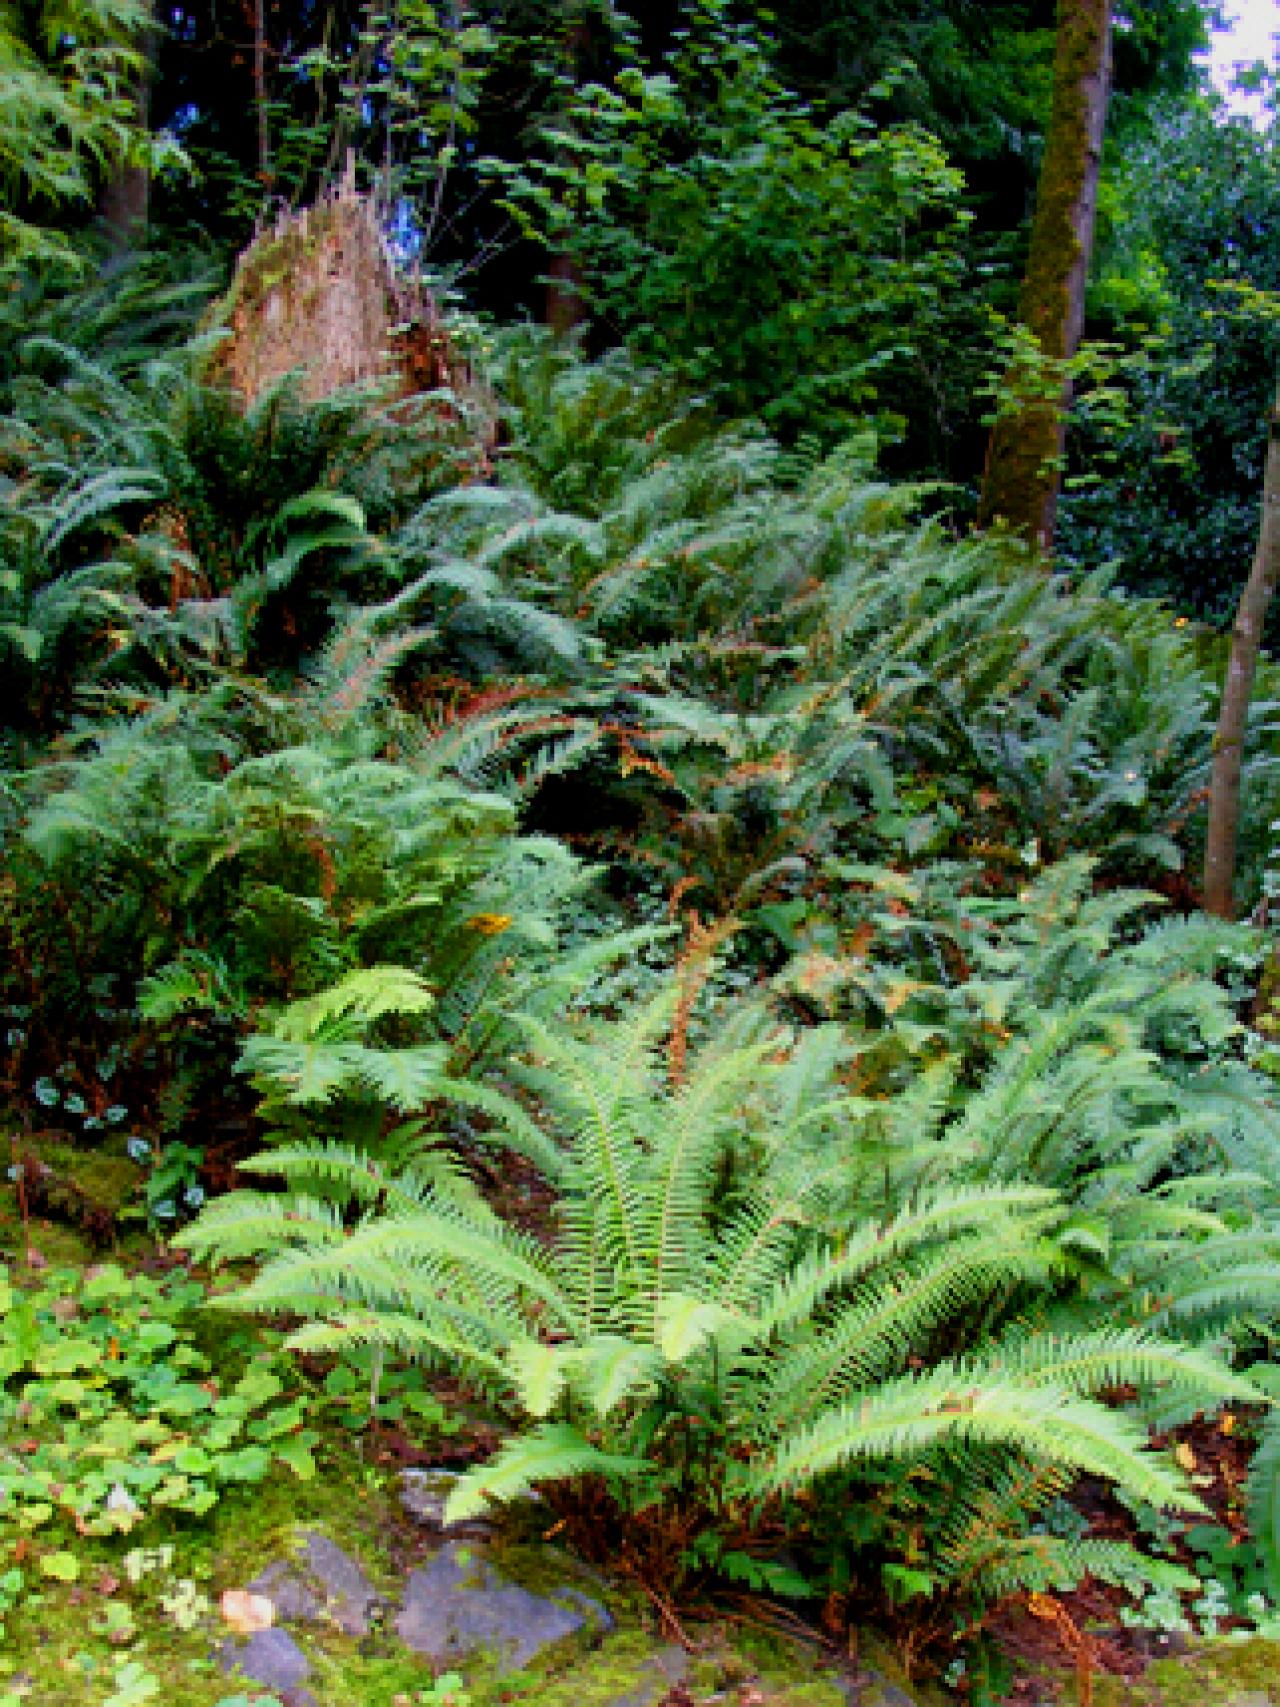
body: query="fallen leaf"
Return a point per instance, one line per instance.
(1185, 1456)
(246, 1613)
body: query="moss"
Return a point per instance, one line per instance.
(58, 1640)
(63, 1653)
(548, 1571)
(61, 1247)
(617, 1669)
(1218, 1676)
(1021, 478)
(1055, 244)
(266, 1522)
(268, 264)
(80, 1189)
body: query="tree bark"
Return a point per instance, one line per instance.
(566, 308)
(260, 91)
(1242, 662)
(124, 203)
(565, 303)
(1024, 456)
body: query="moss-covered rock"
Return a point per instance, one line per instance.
(1225, 1674)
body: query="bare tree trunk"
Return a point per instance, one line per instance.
(1024, 455)
(1237, 691)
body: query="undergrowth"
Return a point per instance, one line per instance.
(784, 899)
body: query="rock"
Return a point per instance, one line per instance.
(424, 1494)
(873, 1689)
(286, 1588)
(667, 1668)
(458, 1605)
(273, 1659)
(321, 1582)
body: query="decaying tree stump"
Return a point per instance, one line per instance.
(320, 293)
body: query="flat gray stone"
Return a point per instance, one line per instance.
(458, 1605)
(320, 1582)
(423, 1494)
(273, 1659)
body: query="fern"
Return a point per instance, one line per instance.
(696, 1263)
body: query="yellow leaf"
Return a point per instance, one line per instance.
(1185, 1456)
(490, 924)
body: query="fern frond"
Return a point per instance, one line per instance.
(907, 1418)
(553, 1452)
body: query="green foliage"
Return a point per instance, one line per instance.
(718, 1324)
(780, 263)
(944, 1135)
(780, 635)
(362, 1391)
(197, 861)
(114, 1420)
(151, 528)
(68, 113)
(1171, 493)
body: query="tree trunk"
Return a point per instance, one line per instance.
(1237, 691)
(1024, 456)
(565, 303)
(566, 307)
(260, 91)
(124, 203)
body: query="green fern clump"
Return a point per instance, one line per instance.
(222, 851)
(152, 526)
(736, 611)
(1061, 1036)
(707, 1332)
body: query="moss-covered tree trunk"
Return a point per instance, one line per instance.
(124, 203)
(1237, 691)
(1020, 485)
(566, 305)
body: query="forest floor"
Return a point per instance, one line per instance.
(337, 1589)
